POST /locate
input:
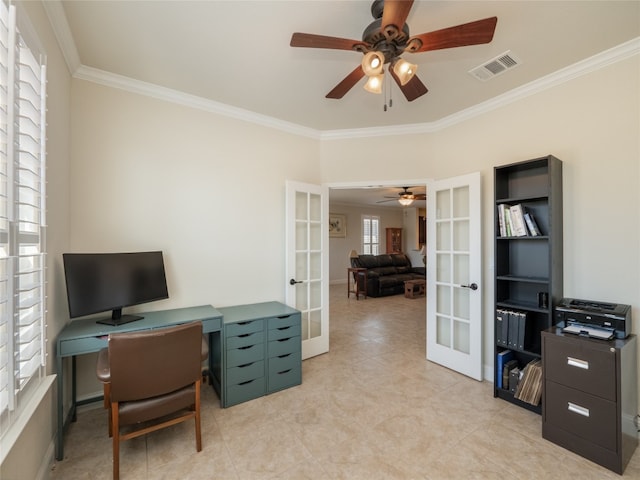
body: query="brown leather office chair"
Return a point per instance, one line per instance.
(152, 380)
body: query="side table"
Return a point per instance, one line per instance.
(358, 275)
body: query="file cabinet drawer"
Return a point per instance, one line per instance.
(241, 356)
(584, 415)
(245, 372)
(245, 391)
(288, 377)
(576, 365)
(284, 332)
(245, 340)
(282, 362)
(284, 346)
(241, 328)
(284, 321)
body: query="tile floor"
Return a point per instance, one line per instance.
(372, 408)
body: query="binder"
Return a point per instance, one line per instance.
(502, 327)
(522, 328)
(514, 329)
(506, 370)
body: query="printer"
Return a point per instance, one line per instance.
(594, 319)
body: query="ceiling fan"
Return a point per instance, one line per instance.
(405, 198)
(386, 38)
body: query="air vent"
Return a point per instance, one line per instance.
(496, 66)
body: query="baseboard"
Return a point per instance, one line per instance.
(44, 472)
(337, 282)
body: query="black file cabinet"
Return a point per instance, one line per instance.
(590, 396)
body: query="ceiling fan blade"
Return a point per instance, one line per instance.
(413, 89)
(311, 40)
(473, 33)
(346, 84)
(396, 12)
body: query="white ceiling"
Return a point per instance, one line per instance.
(237, 53)
(236, 56)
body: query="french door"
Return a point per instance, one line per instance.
(307, 264)
(454, 269)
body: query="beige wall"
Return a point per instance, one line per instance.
(591, 123)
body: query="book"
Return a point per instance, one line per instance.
(532, 225)
(502, 226)
(507, 222)
(506, 371)
(501, 359)
(519, 228)
(502, 327)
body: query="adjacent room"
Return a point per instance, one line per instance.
(409, 231)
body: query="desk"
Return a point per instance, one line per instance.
(358, 274)
(86, 336)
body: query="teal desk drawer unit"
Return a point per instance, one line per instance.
(261, 351)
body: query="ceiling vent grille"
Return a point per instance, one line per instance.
(495, 66)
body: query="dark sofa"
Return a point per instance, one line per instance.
(386, 274)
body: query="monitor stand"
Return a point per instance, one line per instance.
(118, 319)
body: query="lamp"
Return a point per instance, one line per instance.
(423, 252)
(405, 202)
(374, 84)
(404, 70)
(352, 254)
(372, 63)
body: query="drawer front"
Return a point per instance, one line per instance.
(587, 416)
(245, 372)
(284, 332)
(574, 364)
(245, 340)
(284, 346)
(284, 321)
(283, 362)
(240, 328)
(280, 379)
(245, 391)
(241, 356)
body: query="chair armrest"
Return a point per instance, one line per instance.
(103, 371)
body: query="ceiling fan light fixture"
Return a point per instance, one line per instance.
(374, 84)
(404, 70)
(405, 202)
(372, 63)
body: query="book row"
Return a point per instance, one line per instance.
(516, 221)
(525, 383)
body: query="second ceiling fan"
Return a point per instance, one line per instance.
(386, 38)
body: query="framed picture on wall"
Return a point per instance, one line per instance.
(337, 225)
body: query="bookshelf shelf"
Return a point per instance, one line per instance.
(528, 269)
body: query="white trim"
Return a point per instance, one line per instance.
(59, 23)
(15, 429)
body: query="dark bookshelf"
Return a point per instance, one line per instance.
(528, 269)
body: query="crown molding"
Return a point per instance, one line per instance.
(584, 67)
(193, 101)
(62, 32)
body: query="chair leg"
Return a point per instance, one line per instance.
(107, 404)
(115, 428)
(197, 418)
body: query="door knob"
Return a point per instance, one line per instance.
(293, 281)
(473, 286)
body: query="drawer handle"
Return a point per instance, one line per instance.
(572, 407)
(576, 362)
(247, 382)
(285, 339)
(246, 348)
(284, 371)
(245, 335)
(285, 356)
(246, 365)
(284, 316)
(245, 323)
(284, 328)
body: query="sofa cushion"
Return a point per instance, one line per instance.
(367, 261)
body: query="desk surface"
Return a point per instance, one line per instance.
(239, 313)
(163, 318)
